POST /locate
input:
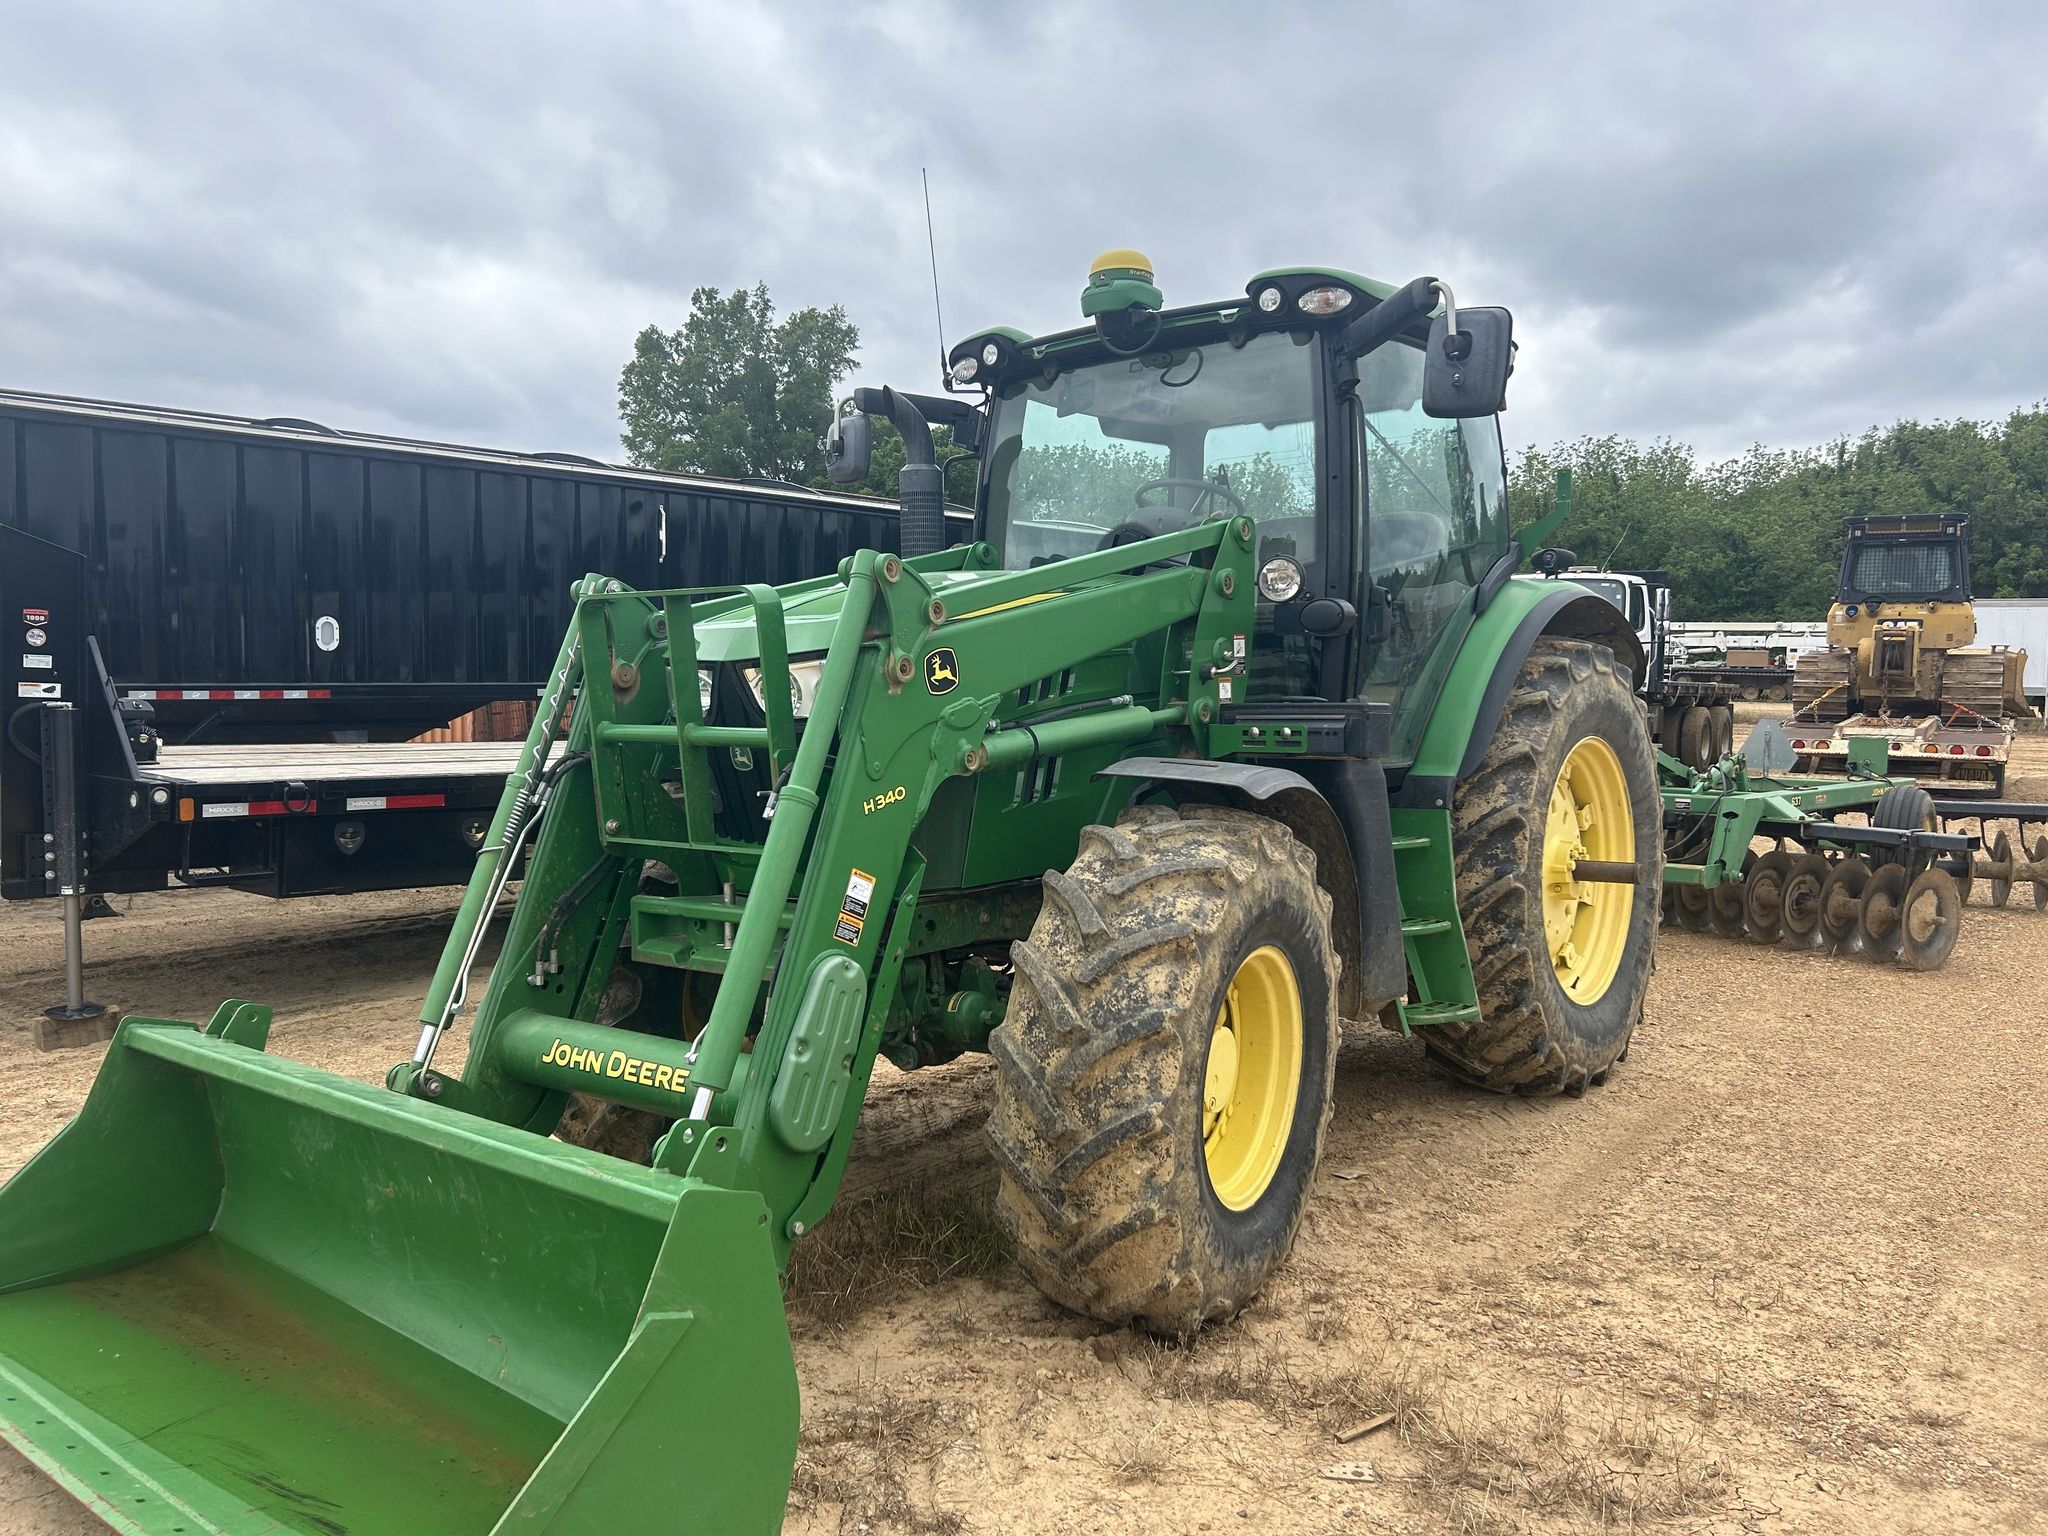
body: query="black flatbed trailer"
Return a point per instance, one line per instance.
(223, 633)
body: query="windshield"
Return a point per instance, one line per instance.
(1623, 594)
(1134, 447)
(1903, 570)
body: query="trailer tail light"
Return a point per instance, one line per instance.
(1822, 745)
(1983, 751)
(1798, 745)
(1931, 747)
(1955, 751)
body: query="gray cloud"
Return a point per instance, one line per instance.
(1724, 224)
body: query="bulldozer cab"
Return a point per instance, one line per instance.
(1905, 560)
(1305, 407)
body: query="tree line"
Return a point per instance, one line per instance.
(1759, 536)
(737, 393)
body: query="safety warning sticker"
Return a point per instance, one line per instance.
(853, 911)
(39, 690)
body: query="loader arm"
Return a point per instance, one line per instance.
(820, 908)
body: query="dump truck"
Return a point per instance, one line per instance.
(1901, 665)
(1227, 723)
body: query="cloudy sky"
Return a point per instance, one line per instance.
(1725, 223)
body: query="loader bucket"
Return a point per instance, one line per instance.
(240, 1295)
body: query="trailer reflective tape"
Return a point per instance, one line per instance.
(394, 802)
(175, 695)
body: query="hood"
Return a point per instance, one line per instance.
(809, 616)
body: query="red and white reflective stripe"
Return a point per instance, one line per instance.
(220, 809)
(394, 802)
(174, 695)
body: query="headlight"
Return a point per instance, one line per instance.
(991, 354)
(1269, 299)
(965, 370)
(803, 684)
(1279, 580)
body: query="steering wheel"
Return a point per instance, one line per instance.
(1406, 537)
(1208, 488)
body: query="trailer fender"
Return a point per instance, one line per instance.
(1345, 825)
(1468, 710)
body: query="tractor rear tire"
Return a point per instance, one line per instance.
(1128, 1198)
(1534, 1036)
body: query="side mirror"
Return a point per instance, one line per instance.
(1326, 617)
(1465, 371)
(849, 448)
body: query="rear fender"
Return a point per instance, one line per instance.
(1468, 710)
(1346, 828)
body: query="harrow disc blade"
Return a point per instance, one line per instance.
(1883, 898)
(2001, 869)
(1724, 909)
(1841, 904)
(1800, 904)
(1930, 918)
(1763, 897)
(1694, 908)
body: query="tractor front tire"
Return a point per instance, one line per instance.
(1560, 966)
(1164, 1067)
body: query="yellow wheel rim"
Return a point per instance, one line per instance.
(1585, 923)
(1252, 1079)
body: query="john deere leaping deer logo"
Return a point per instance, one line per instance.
(942, 670)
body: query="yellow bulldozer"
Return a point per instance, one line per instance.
(1902, 666)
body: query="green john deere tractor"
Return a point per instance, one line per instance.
(1222, 722)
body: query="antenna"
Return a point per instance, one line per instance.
(932, 244)
(1626, 529)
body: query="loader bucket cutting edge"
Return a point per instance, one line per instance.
(241, 1295)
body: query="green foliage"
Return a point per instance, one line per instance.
(1760, 536)
(734, 392)
(887, 461)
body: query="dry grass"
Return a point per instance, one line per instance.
(861, 1458)
(888, 1245)
(1482, 1465)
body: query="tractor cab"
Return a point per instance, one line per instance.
(1352, 421)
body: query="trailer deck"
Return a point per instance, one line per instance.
(239, 763)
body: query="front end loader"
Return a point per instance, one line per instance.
(1228, 724)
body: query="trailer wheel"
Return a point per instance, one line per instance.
(1561, 965)
(1696, 738)
(1724, 730)
(1164, 1068)
(1903, 808)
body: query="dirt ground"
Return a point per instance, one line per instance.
(1786, 1272)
